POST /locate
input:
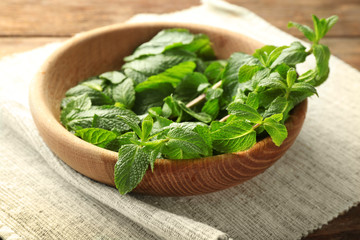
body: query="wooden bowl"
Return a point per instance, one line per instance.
(102, 50)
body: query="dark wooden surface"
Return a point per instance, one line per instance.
(26, 24)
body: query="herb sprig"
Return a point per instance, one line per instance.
(173, 99)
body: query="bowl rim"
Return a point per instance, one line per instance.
(40, 107)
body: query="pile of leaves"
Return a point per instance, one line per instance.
(173, 99)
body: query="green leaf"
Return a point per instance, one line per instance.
(277, 131)
(304, 87)
(282, 69)
(95, 94)
(115, 77)
(124, 93)
(154, 148)
(170, 107)
(213, 93)
(235, 62)
(279, 105)
(204, 132)
(267, 96)
(263, 54)
(104, 117)
(152, 97)
(164, 40)
(277, 117)
(126, 138)
(274, 81)
(306, 30)
(140, 69)
(133, 161)
(291, 77)
(246, 72)
(97, 136)
(203, 117)
(187, 89)
(322, 26)
(244, 112)
(73, 106)
(215, 70)
(234, 136)
(146, 127)
(212, 108)
(274, 55)
(292, 55)
(322, 56)
(202, 46)
(96, 84)
(133, 125)
(172, 75)
(184, 144)
(253, 100)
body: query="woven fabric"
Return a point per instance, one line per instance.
(315, 181)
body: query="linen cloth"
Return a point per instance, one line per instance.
(315, 181)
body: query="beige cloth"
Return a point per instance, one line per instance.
(316, 180)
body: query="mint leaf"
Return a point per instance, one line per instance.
(322, 26)
(292, 55)
(253, 100)
(188, 87)
(154, 148)
(73, 106)
(146, 127)
(104, 117)
(235, 62)
(124, 93)
(234, 136)
(215, 70)
(126, 138)
(244, 112)
(306, 30)
(203, 117)
(202, 46)
(304, 87)
(152, 97)
(279, 105)
(171, 108)
(134, 125)
(164, 40)
(204, 132)
(246, 72)
(212, 108)
(263, 54)
(322, 56)
(291, 77)
(115, 77)
(274, 81)
(277, 131)
(213, 93)
(184, 144)
(94, 93)
(172, 75)
(97, 136)
(140, 69)
(133, 161)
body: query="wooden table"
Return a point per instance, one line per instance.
(26, 24)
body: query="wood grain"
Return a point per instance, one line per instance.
(25, 24)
